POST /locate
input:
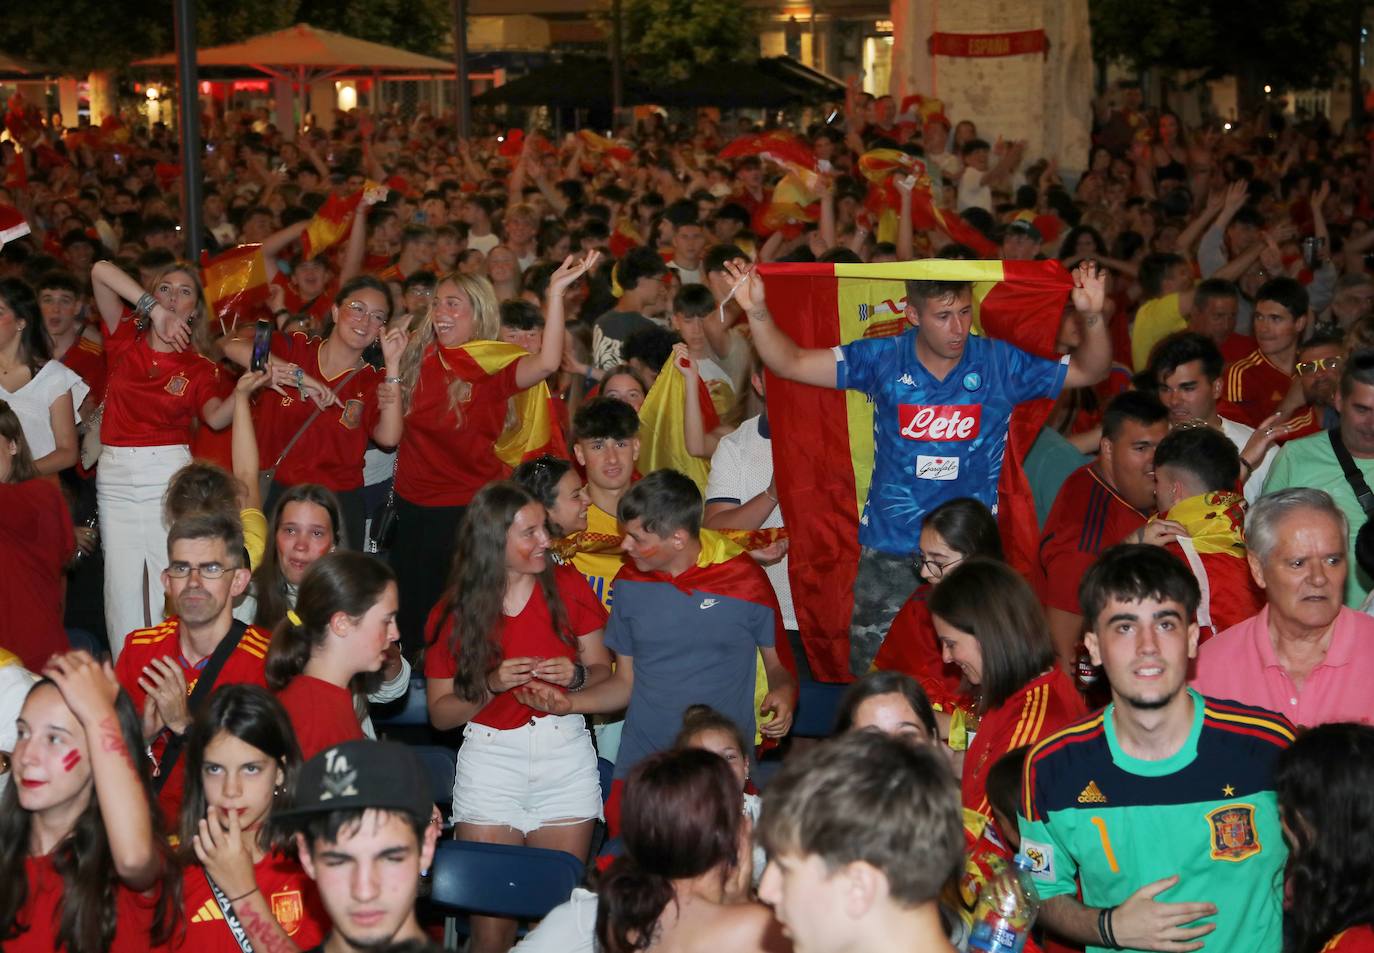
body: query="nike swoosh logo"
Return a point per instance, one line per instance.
(707, 603)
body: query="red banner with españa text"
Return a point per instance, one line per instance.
(823, 439)
(1020, 43)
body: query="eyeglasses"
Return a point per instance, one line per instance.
(934, 568)
(206, 570)
(1320, 364)
(357, 310)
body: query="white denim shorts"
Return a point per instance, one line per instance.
(528, 777)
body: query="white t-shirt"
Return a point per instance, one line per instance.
(484, 243)
(15, 682)
(689, 276)
(33, 402)
(972, 192)
(741, 469)
(570, 927)
(1239, 434)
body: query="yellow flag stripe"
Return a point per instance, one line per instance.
(927, 269)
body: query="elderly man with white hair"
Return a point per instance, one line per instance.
(1305, 655)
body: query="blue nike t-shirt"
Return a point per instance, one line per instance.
(936, 440)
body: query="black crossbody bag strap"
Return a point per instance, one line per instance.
(204, 686)
(231, 919)
(1353, 475)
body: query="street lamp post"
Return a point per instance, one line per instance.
(617, 81)
(462, 90)
(188, 118)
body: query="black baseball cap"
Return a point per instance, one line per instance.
(358, 775)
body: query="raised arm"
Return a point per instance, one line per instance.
(815, 366)
(91, 691)
(244, 440)
(534, 368)
(111, 288)
(698, 442)
(1092, 359)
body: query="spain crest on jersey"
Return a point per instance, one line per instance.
(1234, 837)
(176, 386)
(352, 414)
(288, 910)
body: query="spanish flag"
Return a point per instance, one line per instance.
(235, 282)
(534, 430)
(600, 145)
(662, 428)
(879, 166)
(330, 223)
(823, 439)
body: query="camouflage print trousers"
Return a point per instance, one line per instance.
(882, 585)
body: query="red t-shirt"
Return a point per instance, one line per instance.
(1253, 388)
(1358, 939)
(291, 895)
(1087, 517)
(527, 635)
(246, 665)
(152, 397)
(87, 359)
(1040, 708)
(318, 308)
(442, 462)
(375, 264)
(330, 451)
(36, 540)
(42, 913)
(912, 647)
(322, 714)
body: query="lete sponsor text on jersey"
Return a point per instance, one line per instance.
(940, 421)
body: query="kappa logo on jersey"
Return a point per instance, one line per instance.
(1092, 794)
(352, 414)
(1041, 857)
(288, 910)
(907, 380)
(1234, 837)
(940, 421)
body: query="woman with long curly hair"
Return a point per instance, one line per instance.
(84, 864)
(1323, 784)
(162, 377)
(511, 617)
(457, 381)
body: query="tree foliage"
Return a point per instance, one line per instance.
(1287, 43)
(83, 35)
(668, 40)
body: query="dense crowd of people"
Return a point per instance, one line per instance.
(488, 420)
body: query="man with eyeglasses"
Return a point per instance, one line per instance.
(160, 667)
(1320, 360)
(1312, 461)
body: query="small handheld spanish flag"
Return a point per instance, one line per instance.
(235, 282)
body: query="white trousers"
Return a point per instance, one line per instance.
(130, 484)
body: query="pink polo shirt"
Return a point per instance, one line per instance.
(1240, 665)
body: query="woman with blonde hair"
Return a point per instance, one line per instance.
(162, 378)
(457, 381)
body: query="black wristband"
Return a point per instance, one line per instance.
(579, 678)
(1104, 927)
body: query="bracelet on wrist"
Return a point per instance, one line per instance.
(393, 380)
(243, 895)
(144, 306)
(579, 679)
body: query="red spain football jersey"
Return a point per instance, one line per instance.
(152, 397)
(1088, 516)
(330, 451)
(291, 895)
(87, 359)
(1253, 389)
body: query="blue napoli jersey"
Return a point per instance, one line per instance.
(936, 440)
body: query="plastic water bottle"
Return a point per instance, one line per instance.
(1006, 910)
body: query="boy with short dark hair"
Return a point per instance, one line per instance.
(363, 822)
(522, 324)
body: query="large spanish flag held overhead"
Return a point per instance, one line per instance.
(823, 439)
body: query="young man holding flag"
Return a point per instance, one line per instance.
(942, 399)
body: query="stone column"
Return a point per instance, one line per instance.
(1044, 98)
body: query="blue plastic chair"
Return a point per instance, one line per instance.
(522, 883)
(407, 712)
